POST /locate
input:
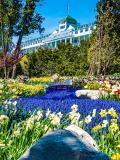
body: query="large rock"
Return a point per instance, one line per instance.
(83, 136)
(69, 144)
(90, 94)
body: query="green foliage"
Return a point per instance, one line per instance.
(105, 48)
(110, 97)
(116, 74)
(93, 85)
(18, 18)
(66, 60)
(5, 92)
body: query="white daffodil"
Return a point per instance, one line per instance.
(55, 120)
(60, 114)
(88, 119)
(94, 113)
(48, 112)
(38, 115)
(74, 117)
(104, 124)
(74, 108)
(9, 102)
(52, 115)
(29, 123)
(14, 103)
(3, 119)
(80, 123)
(5, 102)
(16, 133)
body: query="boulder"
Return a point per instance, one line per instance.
(90, 94)
(83, 136)
(68, 144)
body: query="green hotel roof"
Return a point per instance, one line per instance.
(68, 19)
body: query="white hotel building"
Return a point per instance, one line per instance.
(69, 31)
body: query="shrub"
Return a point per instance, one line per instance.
(93, 85)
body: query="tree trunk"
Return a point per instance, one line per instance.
(5, 72)
(13, 71)
(8, 73)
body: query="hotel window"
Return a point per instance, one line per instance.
(86, 29)
(91, 28)
(76, 32)
(81, 30)
(62, 27)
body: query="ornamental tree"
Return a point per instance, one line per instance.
(18, 18)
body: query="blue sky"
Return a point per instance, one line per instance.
(53, 10)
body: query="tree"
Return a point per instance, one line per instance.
(66, 60)
(24, 63)
(17, 18)
(106, 41)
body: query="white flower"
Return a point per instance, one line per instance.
(60, 114)
(80, 123)
(74, 117)
(29, 123)
(114, 89)
(47, 129)
(14, 90)
(9, 102)
(48, 112)
(74, 108)
(85, 86)
(108, 85)
(88, 119)
(16, 133)
(14, 103)
(5, 102)
(38, 115)
(52, 115)
(94, 113)
(55, 120)
(104, 124)
(3, 119)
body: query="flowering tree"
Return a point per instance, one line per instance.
(18, 18)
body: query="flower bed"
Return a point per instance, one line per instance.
(14, 89)
(62, 101)
(18, 131)
(39, 80)
(24, 124)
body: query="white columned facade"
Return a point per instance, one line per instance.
(68, 31)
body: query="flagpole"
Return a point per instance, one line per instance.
(68, 8)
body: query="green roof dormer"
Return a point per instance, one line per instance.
(68, 19)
